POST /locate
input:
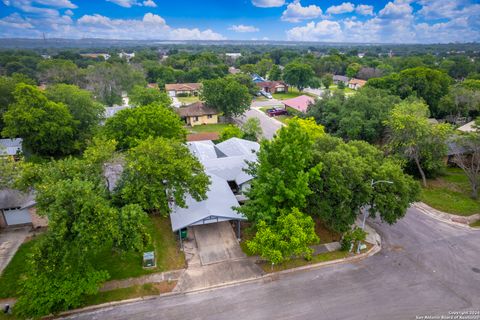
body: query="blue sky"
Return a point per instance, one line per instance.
(395, 21)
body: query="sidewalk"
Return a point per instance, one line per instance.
(462, 221)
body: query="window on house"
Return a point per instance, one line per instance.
(209, 116)
(195, 119)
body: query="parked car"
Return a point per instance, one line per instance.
(276, 112)
(266, 94)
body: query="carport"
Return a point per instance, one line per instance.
(217, 207)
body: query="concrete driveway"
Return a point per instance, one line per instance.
(10, 241)
(269, 125)
(216, 242)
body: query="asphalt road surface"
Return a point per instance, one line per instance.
(269, 125)
(425, 268)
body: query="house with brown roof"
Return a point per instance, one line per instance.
(356, 84)
(272, 86)
(197, 114)
(183, 89)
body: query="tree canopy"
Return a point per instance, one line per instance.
(130, 126)
(298, 74)
(227, 96)
(142, 96)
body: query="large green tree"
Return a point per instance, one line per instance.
(415, 138)
(86, 112)
(47, 127)
(142, 96)
(227, 96)
(298, 74)
(160, 170)
(130, 126)
(282, 174)
(344, 185)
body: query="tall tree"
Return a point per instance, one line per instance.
(159, 170)
(282, 176)
(298, 74)
(252, 129)
(469, 161)
(142, 96)
(415, 138)
(47, 127)
(227, 96)
(86, 112)
(275, 73)
(130, 126)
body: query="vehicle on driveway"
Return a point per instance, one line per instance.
(276, 112)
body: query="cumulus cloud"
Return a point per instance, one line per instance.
(150, 3)
(150, 27)
(325, 30)
(345, 7)
(295, 12)
(268, 3)
(364, 10)
(396, 9)
(69, 12)
(131, 3)
(243, 28)
(449, 9)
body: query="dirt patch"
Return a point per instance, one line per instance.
(326, 235)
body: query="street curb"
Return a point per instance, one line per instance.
(270, 276)
(451, 219)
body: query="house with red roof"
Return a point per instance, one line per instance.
(300, 103)
(272, 86)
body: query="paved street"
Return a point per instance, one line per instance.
(269, 125)
(426, 267)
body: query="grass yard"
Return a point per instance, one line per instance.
(14, 271)
(218, 127)
(188, 100)
(119, 266)
(128, 265)
(451, 193)
(148, 289)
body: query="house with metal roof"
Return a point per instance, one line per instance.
(225, 164)
(18, 209)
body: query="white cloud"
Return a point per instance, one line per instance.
(69, 12)
(295, 12)
(364, 10)
(131, 3)
(150, 3)
(268, 3)
(56, 3)
(15, 21)
(243, 28)
(397, 9)
(449, 9)
(325, 30)
(345, 7)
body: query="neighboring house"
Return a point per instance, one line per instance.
(356, 84)
(256, 78)
(111, 111)
(198, 113)
(272, 86)
(300, 103)
(468, 127)
(10, 147)
(233, 70)
(179, 89)
(233, 55)
(224, 163)
(105, 56)
(337, 79)
(152, 85)
(127, 56)
(18, 209)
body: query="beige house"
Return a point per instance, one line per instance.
(197, 114)
(356, 84)
(186, 89)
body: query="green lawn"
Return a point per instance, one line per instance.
(299, 262)
(188, 100)
(451, 193)
(218, 127)
(14, 271)
(119, 266)
(149, 289)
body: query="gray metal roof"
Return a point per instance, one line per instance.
(10, 198)
(238, 147)
(217, 207)
(10, 147)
